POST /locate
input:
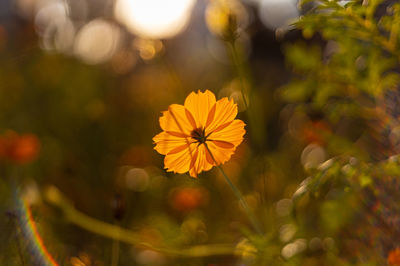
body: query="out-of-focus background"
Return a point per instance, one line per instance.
(83, 83)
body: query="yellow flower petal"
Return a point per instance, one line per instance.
(223, 144)
(180, 162)
(175, 120)
(220, 155)
(166, 142)
(199, 162)
(232, 133)
(225, 111)
(199, 104)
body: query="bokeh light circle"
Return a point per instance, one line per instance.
(97, 41)
(155, 19)
(278, 13)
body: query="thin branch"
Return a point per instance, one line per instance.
(55, 198)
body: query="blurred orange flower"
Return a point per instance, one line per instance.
(200, 134)
(394, 257)
(19, 148)
(189, 198)
(316, 132)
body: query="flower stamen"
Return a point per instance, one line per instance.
(199, 135)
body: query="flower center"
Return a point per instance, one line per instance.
(199, 134)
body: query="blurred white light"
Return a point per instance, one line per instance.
(287, 232)
(97, 41)
(302, 188)
(28, 8)
(150, 257)
(233, 90)
(278, 13)
(31, 193)
(312, 156)
(315, 244)
(394, 137)
(49, 14)
(155, 19)
(294, 248)
(59, 35)
(289, 250)
(284, 207)
(325, 165)
(344, 2)
(79, 10)
(137, 179)
(64, 38)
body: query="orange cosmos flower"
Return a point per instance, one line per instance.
(200, 134)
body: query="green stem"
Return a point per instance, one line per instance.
(115, 250)
(239, 196)
(242, 201)
(239, 70)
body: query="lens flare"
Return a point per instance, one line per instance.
(40, 254)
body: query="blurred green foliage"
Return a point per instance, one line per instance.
(355, 68)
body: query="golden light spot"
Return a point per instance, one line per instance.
(246, 249)
(218, 13)
(232, 90)
(148, 49)
(124, 61)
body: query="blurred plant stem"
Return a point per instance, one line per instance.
(240, 65)
(55, 198)
(237, 62)
(230, 36)
(243, 202)
(115, 249)
(239, 196)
